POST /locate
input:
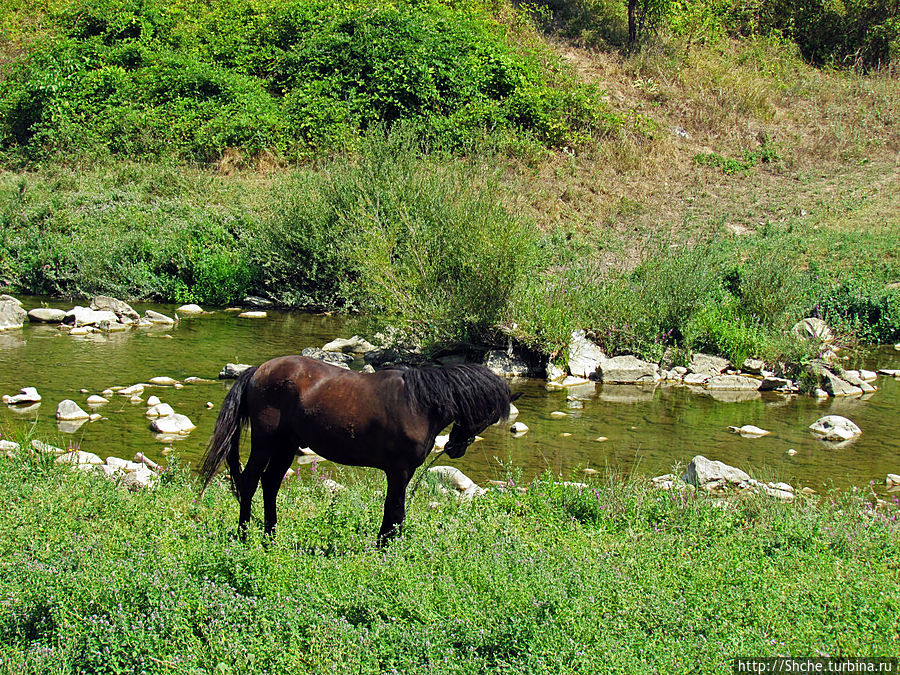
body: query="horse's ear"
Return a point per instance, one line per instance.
(515, 397)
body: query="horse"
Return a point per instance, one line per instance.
(387, 420)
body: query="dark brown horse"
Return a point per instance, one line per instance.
(387, 420)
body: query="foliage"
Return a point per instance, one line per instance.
(616, 576)
(285, 78)
(862, 308)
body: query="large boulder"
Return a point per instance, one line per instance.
(114, 305)
(702, 471)
(11, 315)
(835, 428)
(834, 385)
(628, 370)
(157, 318)
(46, 315)
(813, 329)
(189, 310)
(706, 364)
(584, 356)
(8, 298)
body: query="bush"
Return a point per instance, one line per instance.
(863, 308)
(289, 78)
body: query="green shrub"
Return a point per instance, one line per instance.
(863, 308)
(288, 77)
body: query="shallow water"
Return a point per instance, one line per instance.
(649, 430)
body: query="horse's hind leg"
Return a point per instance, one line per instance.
(249, 479)
(394, 504)
(271, 481)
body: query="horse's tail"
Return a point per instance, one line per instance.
(226, 439)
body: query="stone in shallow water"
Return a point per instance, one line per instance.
(835, 428)
(253, 315)
(172, 424)
(25, 395)
(702, 471)
(585, 357)
(190, 309)
(46, 315)
(231, 371)
(68, 410)
(628, 369)
(156, 317)
(749, 431)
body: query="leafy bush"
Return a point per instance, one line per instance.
(866, 309)
(288, 77)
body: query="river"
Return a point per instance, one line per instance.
(649, 431)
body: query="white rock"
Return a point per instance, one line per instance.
(8, 298)
(172, 424)
(190, 309)
(40, 446)
(152, 401)
(121, 309)
(702, 471)
(555, 373)
(750, 431)
(140, 479)
(95, 416)
(440, 442)
(332, 486)
(706, 364)
(354, 345)
(518, 428)
(85, 316)
(868, 375)
(69, 410)
(892, 480)
(79, 457)
(123, 465)
(696, 379)
(12, 446)
(601, 439)
(732, 383)
(628, 369)
(890, 372)
(11, 315)
(163, 381)
(25, 395)
(835, 428)
(513, 410)
(133, 390)
(558, 414)
(160, 410)
(503, 364)
(585, 357)
(156, 317)
(255, 314)
(96, 400)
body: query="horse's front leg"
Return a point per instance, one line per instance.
(394, 504)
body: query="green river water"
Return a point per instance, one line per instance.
(648, 431)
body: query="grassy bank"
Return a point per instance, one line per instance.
(618, 577)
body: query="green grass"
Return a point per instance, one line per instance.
(619, 577)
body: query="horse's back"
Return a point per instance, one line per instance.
(339, 413)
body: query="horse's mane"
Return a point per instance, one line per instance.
(469, 394)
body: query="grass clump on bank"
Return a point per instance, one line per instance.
(618, 576)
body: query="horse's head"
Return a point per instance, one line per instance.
(462, 436)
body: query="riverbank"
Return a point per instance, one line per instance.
(617, 577)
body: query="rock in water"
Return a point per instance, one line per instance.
(334, 358)
(118, 307)
(25, 395)
(172, 424)
(749, 431)
(505, 365)
(156, 317)
(628, 370)
(190, 310)
(46, 315)
(68, 410)
(835, 428)
(11, 315)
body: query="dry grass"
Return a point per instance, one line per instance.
(835, 134)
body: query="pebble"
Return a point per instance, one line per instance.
(252, 315)
(600, 439)
(518, 428)
(558, 414)
(209, 404)
(96, 400)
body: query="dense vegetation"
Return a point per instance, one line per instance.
(618, 576)
(461, 177)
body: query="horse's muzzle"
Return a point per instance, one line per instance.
(457, 450)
